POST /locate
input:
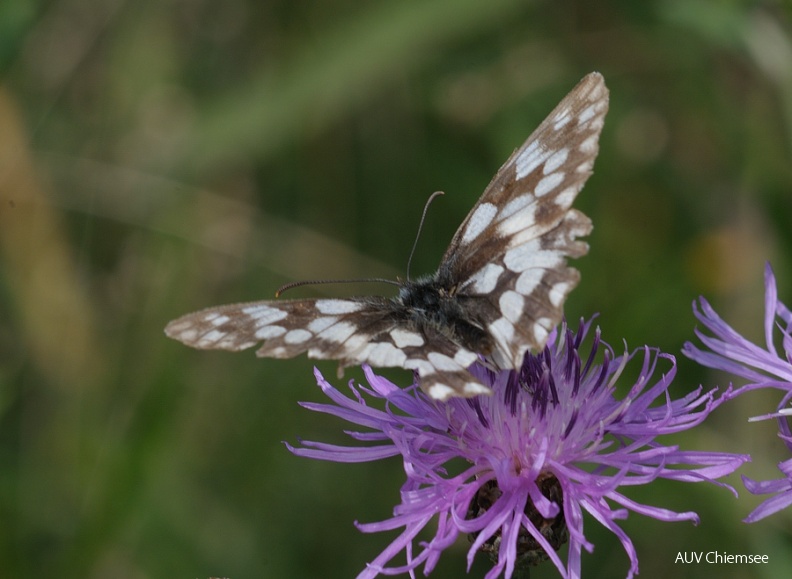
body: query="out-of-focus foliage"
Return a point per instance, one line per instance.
(159, 157)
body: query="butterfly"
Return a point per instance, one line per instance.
(498, 292)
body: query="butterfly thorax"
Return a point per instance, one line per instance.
(431, 306)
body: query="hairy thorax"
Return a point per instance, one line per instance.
(431, 306)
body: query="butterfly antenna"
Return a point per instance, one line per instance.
(432, 197)
(295, 284)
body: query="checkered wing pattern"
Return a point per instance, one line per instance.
(511, 249)
(353, 331)
(499, 290)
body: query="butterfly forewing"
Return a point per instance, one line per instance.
(499, 290)
(325, 328)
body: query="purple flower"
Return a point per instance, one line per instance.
(727, 350)
(781, 489)
(763, 367)
(552, 442)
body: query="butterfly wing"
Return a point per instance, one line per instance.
(353, 331)
(510, 252)
(337, 329)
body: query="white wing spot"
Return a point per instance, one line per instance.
(558, 293)
(523, 256)
(474, 389)
(561, 119)
(423, 366)
(268, 332)
(340, 332)
(442, 362)
(465, 358)
(478, 221)
(502, 328)
(355, 344)
(540, 332)
(548, 183)
(334, 307)
(530, 235)
(264, 314)
(530, 159)
(555, 160)
(485, 279)
(566, 197)
(383, 354)
(403, 338)
(219, 320)
(520, 258)
(586, 114)
(319, 325)
(518, 222)
(440, 391)
(188, 335)
(588, 147)
(515, 205)
(210, 338)
(511, 305)
(530, 254)
(297, 336)
(528, 281)
(503, 332)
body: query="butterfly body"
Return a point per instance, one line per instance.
(430, 305)
(498, 292)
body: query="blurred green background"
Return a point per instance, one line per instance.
(159, 157)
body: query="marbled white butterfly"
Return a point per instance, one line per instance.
(498, 292)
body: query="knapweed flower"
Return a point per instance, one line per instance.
(762, 367)
(781, 488)
(551, 443)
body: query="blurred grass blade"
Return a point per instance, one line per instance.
(353, 61)
(54, 311)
